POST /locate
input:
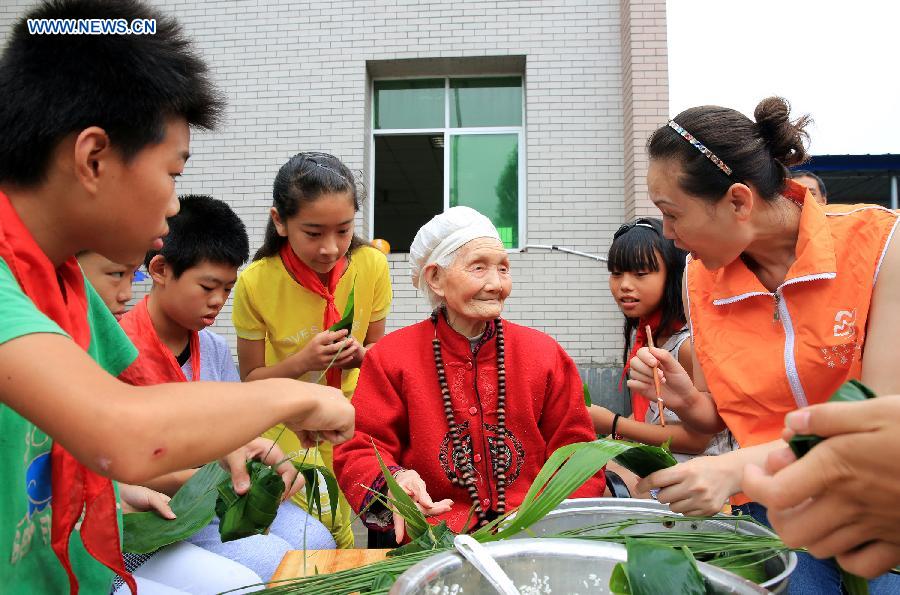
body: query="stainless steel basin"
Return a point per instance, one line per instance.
(579, 513)
(542, 566)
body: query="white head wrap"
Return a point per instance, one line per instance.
(441, 237)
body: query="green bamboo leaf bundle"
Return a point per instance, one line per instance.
(253, 512)
(193, 505)
(849, 392)
(653, 568)
(346, 321)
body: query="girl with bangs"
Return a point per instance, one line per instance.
(645, 279)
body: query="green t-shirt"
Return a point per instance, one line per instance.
(27, 563)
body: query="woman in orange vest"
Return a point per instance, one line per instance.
(786, 300)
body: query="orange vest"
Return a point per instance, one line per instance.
(765, 354)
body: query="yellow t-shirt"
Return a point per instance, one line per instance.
(270, 306)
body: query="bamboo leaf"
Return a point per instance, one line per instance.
(854, 585)
(643, 459)
(618, 581)
(849, 392)
(563, 473)
(416, 524)
(587, 395)
(311, 473)
(346, 321)
(194, 506)
(652, 569)
(252, 512)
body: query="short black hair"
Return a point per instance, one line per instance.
(805, 173)
(127, 85)
(205, 229)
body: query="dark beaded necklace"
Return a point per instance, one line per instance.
(468, 480)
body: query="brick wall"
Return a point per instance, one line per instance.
(595, 84)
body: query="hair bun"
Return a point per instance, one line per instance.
(786, 140)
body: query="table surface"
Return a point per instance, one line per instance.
(324, 561)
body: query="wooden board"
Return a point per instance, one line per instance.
(324, 561)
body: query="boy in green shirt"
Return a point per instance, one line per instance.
(95, 130)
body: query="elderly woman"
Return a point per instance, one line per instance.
(464, 407)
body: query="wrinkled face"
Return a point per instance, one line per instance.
(477, 282)
(111, 280)
(714, 233)
(321, 231)
(136, 197)
(639, 293)
(194, 299)
(813, 187)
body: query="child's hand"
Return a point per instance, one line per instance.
(351, 357)
(330, 416)
(676, 385)
(322, 348)
(269, 453)
(141, 499)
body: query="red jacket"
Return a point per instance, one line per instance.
(399, 407)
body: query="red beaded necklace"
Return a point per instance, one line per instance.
(468, 480)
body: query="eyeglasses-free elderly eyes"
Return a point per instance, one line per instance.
(639, 222)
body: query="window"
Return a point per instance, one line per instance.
(442, 142)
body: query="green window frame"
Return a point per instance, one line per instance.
(481, 132)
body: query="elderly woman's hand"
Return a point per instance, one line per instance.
(414, 486)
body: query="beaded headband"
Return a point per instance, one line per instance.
(699, 146)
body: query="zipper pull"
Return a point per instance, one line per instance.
(775, 317)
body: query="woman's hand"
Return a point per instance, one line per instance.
(698, 487)
(141, 499)
(840, 500)
(414, 486)
(676, 384)
(321, 349)
(266, 451)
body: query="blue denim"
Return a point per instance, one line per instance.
(819, 577)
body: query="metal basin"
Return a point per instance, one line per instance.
(539, 566)
(578, 513)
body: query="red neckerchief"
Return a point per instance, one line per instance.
(155, 363)
(639, 403)
(309, 279)
(59, 292)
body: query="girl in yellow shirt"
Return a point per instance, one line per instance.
(298, 286)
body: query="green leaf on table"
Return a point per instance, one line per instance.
(437, 537)
(194, 506)
(849, 392)
(346, 321)
(653, 568)
(416, 524)
(587, 395)
(252, 513)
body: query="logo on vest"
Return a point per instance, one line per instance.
(845, 323)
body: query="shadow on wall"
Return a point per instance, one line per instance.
(604, 386)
